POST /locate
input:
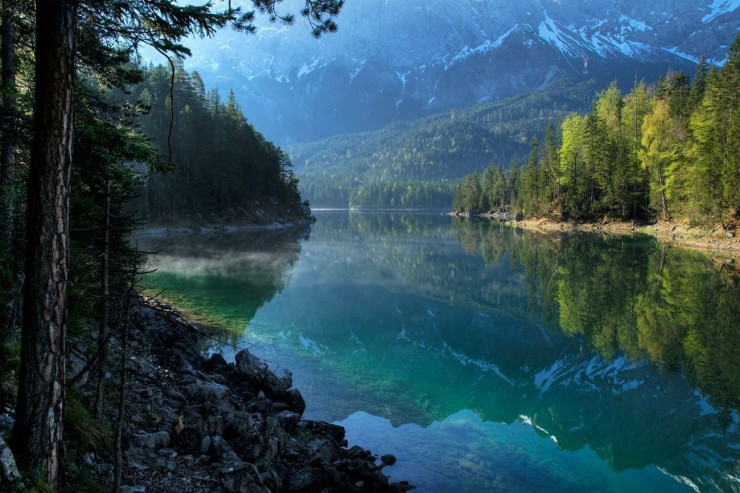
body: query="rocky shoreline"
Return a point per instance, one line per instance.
(261, 217)
(174, 229)
(197, 424)
(715, 242)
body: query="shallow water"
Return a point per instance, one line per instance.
(484, 358)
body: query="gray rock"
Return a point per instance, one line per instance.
(152, 441)
(240, 426)
(133, 489)
(388, 459)
(180, 363)
(295, 402)
(77, 361)
(168, 452)
(6, 423)
(306, 478)
(174, 394)
(143, 368)
(274, 379)
(8, 469)
(272, 448)
(288, 420)
(241, 477)
(206, 391)
(278, 378)
(191, 431)
(222, 450)
(271, 479)
(140, 458)
(249, 366)
(260, 404)
(215, 424)
(325, 450)
(205, 445)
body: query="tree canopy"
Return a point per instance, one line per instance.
(67, 51)
(657, 152)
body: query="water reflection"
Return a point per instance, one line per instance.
(222, 279)
(600, 364)
(677, 308)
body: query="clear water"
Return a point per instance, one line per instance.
(485, 358)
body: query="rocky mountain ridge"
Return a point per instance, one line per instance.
(405, 59)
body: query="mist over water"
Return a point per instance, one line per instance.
(490, 359)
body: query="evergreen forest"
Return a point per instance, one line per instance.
(666, 151)
(225, 171)
(92, 144)
(419, 163)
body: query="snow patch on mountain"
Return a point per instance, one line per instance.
(392, 60)
(357, 70)
(719, 7)
(485, 366)
(316, 63)
(674, 50)
(634, 24)
(483, 48)
(549, 32)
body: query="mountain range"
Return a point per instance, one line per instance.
(397, 60)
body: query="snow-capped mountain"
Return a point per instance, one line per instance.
(401, 59)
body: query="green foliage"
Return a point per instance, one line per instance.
(658, 152)
(402, 195)
(670, 152)
(81, 428)
(468, 194)
(573, 177)
(671, 306)
(438, 149)
(224, 167)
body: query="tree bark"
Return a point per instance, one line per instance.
(37, 433)
(103, 337)
(8, 104)
(117, 434)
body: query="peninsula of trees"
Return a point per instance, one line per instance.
(669, 151)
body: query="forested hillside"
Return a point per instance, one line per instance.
(417, 164)
(83, 130)
(223, 169)
(667, 151)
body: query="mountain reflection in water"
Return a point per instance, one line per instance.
(490, 358)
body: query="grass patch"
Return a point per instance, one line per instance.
(80, 427)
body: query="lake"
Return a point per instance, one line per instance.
(486, 358)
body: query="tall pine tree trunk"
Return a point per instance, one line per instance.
(103, 330)
(8, 105)
(37, 433)
(7, 161)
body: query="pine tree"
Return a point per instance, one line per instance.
(37, 435)
(531, 184)
(658, 151)
(573, 180)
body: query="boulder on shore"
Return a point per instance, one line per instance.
(201, 424)
(8, 470)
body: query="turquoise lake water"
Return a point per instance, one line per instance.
(486, 358)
